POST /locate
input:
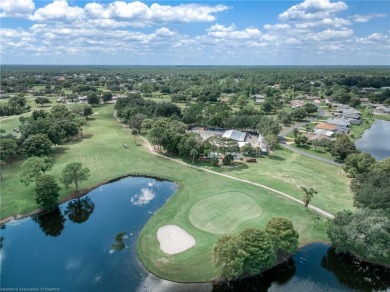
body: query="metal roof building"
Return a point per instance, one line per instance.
(235, 135)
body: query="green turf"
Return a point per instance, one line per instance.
(102, 151)
(223, 213)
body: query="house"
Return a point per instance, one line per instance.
(297, 103)
(340, 122)
(235, 135)
(316, 137)
(325, 129)
(349, 110)
(382, 110)
(82, 99)
(259, 98)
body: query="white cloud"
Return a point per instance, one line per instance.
(59, 10)
(329, 34)
(330, 22)
(365, 18)
(121, 14)
(312, 9)
(16, 8)
(231, 32)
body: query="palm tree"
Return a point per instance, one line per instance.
(309, 193)
(193, 153)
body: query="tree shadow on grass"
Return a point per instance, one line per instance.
(275, 157)
(235, 166)
(58, 150)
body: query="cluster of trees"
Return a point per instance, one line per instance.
(254, 250)
(47, 128)
(365, 232)
(15, 106)
(35, 169)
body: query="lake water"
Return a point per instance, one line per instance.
(376, 140)
(80, 247)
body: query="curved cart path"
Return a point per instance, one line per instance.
(153, 151)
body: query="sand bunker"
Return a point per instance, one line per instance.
(174, 239)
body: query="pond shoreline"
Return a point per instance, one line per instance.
(81, 193)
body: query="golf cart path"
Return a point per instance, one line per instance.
(151, 149)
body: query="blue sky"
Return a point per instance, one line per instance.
(277, 32)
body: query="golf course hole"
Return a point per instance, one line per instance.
(223, 213)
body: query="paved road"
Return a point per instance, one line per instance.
(296, 150)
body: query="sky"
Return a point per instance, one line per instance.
(186, 32)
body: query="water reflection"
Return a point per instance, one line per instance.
(119, 242)
(51, 223)
(79, 210)
(144, 198)
(356, 274)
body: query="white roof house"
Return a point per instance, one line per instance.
(235, 135)
(338, 122)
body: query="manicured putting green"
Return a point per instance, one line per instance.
(223, 213)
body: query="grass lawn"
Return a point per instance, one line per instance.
(382, 117)
(319, 151)
(287, 172)
(102, 151)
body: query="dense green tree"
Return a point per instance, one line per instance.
(74, 173)
(46, 191)
(268, 125)
(33, 168)
(93, 99)
(300, 140)
(358, 163)
(156, 135)
(259, 250)
(310, 108)
(80, 122)
(271, 141)
(88, 111)
(283, 235)
(37, 145)
(372, 190)
(366, 233)
(245, 254)
(42, 100)
(56, 134)
(298, 114)
(227, 159)
(284, 117)
(8, 146)
(136, 122)
(229, 256)
(106, 96)
(342, 147)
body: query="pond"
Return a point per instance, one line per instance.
(376, 140)
(89, 244)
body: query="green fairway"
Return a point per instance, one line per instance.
(223, 213)
(102, 151)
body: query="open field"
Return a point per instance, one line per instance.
(102, 151)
